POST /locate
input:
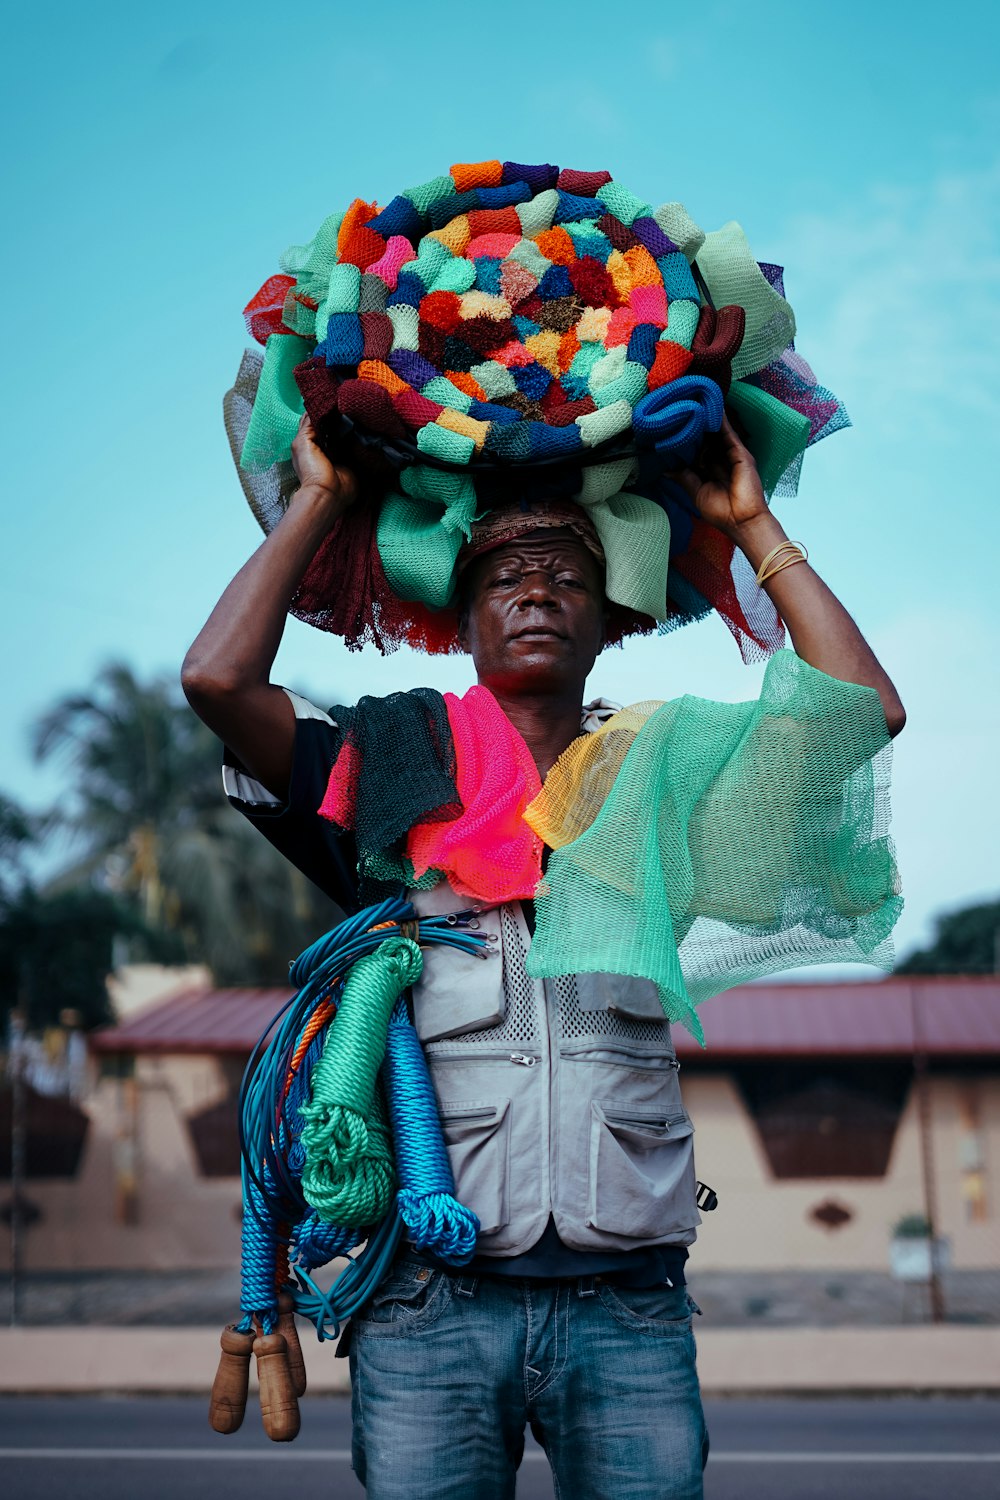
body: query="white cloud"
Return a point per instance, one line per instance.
(902, 297)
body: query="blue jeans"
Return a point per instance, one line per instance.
(447, 1370)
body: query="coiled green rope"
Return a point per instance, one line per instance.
(349, 1175)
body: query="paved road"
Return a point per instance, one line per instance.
(159, 1449)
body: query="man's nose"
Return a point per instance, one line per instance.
(537, 588)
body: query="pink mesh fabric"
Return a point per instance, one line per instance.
(488, 852)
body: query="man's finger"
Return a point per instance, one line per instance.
(733, 442)
(689, 481)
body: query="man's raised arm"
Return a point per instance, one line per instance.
(727, 492)
(226, 673)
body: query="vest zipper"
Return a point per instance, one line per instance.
(471, 1053)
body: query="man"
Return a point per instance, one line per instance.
(559, 1098)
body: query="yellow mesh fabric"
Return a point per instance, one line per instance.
(738, 839)
(581, 779)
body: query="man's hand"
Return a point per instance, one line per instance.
(317, 474)
(727, 492)
(226, 673)
(725, 485)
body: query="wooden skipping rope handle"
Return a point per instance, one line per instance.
(279, 1408)
(229, 1392)
(287, 1329)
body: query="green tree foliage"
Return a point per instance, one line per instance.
(146, 814)
(966, 941)
(57, 951)
(16, 833)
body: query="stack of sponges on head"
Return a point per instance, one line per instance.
(513, 330)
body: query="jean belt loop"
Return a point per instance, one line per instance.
(585, 1287)
(466, 1286)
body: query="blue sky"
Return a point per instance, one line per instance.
(163, 160)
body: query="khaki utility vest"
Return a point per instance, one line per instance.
(557, 1096)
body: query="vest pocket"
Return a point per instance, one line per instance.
(641, 1171)
(457, 993)
(477, 1136)
(637, 998)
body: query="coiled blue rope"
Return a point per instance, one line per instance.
(426, 1199)
(278, 1224)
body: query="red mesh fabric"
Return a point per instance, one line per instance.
(708, 564)
(618, 233)
(318, 388)
(370, 405)
(341, 794)
(377, 334)
(356, 243)
(345, 589)
(670, 362)
(581, 184)
(489, 852)
(443, 310)
(263, 311)
(433, 631)
(592, 283)
(415, 409)
(494, 221)
(718, 337)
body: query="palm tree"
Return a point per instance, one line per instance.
(148, 814)
(16, 833)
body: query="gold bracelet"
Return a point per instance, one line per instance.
(789, 562)
(772, 554)
(800, 555)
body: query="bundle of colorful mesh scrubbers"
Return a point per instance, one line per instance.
(516, 331)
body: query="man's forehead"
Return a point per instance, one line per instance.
(557, 544)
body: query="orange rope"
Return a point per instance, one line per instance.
(317, 1021)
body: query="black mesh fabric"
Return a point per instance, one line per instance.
(396, 768)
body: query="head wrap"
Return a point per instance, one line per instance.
(511, 323)
(518, 518)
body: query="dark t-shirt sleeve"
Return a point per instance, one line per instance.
(325, 856)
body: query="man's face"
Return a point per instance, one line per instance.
(535, 612)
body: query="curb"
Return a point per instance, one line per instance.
(859, 1362)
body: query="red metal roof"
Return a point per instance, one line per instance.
(950, 1017)
(197, 1020)
(957, 1017)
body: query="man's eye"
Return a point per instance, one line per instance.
(570, 580)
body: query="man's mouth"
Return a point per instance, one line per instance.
(537, 632)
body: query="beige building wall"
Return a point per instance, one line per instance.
(179, 1219)
(763, 1222)
(138, 1163)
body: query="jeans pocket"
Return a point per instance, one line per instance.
(657, 1309)
(410, 1298)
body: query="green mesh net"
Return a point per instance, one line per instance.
(726, 261)
(779, 434)
(278, 407)
(739, 839)
(268, 490)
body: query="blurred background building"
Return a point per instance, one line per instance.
(851, 1132)
(851, 1129)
